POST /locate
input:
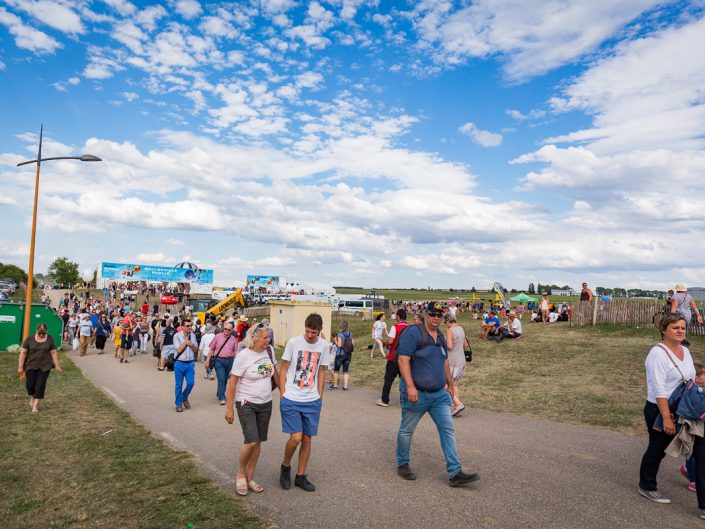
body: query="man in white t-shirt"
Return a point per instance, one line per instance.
(510, 329)
(301, 380)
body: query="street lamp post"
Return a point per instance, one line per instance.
(30, 274)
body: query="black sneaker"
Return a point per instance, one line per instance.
(301, 481)
(461, 478)
(405, 472)
(285, 477)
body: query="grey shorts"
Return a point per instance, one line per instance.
(254, 419)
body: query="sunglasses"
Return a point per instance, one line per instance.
(41, 334)
(435, 314)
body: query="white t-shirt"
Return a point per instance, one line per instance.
(553, 317)
(206, 340)
(304, 359)
(255, 371)
(378, 328)
(514, 326)
(662, 377)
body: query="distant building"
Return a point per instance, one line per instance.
(563, 292)
(698, 293)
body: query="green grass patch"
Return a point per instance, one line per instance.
(582, 375)
(82, 462)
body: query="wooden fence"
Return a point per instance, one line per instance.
(647, 313)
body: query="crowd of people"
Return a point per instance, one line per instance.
(429, 362)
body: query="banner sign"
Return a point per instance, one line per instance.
(268, 282)
(169, 274)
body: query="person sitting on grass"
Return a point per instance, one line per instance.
(510, 329)
(489, 326)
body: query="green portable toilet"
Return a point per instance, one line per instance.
(12, 321)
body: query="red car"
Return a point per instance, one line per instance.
(169, 300)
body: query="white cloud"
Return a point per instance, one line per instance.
(53, 14)
(121, 6)
(175, 242)
(309, 80)
(188, 9)
(533, 37)
(130, 96)
(154, 257)
(649, 94)
(481, 137)
(27, 37)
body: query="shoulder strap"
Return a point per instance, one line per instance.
(668, 354)
(221, 347)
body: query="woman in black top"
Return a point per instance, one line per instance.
(37, 356)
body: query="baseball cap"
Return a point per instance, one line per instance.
(433, 307)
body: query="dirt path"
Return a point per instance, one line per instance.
(534, 473)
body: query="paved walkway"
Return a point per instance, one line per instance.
(534, 473)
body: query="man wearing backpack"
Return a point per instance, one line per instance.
(391, 371)
(422, 354)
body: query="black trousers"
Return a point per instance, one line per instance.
(656, 450)
(36, 382)
(100, 341)
(391, 371)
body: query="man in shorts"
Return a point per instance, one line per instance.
(301, 379)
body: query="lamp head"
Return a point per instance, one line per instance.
(89, 158)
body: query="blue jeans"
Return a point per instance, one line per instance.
(183, 370)
(222, 372)
(437, 405)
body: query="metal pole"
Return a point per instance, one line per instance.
(30, 273)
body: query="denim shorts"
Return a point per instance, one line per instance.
(342, 361)
(300, 417)
(254, 420)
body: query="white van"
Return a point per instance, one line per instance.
(355, 305)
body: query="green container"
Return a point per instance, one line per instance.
(12, 321)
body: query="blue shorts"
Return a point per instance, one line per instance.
(300, 417)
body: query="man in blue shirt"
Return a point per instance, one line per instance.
(490, 326)
(186, 348)
(426, 387)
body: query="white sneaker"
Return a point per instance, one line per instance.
(380, 402)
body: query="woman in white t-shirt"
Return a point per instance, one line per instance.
(250, 388)
(667, 364)
(379, 328)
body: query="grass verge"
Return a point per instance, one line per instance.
(581, 375)
(84, 463)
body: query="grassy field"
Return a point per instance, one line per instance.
(84, 463)
(581, 375)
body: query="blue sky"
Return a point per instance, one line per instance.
(354, 142)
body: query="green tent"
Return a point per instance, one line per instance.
(522, 298)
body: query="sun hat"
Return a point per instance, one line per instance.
(512, 312)
(680, 287)
(243, 317)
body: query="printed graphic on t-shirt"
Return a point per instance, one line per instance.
(306, 366)
(265, 369)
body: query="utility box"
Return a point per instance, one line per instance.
(286, 318)
(12, 321)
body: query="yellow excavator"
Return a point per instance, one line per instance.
(206, 307)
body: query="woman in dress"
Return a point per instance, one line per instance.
(37, 357)
(456, 339)
(250, 388)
